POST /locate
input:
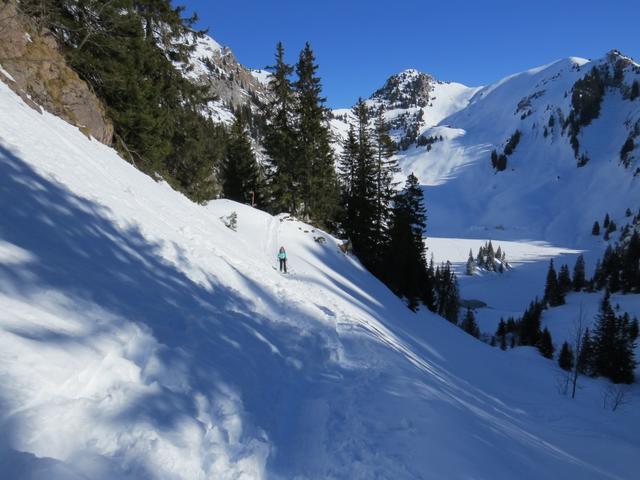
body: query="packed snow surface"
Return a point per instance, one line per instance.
(142, 338)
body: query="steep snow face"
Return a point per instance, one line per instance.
(142, 338)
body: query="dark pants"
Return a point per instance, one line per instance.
(283, 264)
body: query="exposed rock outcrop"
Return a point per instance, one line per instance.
(41, 76)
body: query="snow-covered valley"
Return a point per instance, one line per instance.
(142, 338)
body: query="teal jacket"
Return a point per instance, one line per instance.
(282, 255)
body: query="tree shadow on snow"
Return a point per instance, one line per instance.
(209, 340)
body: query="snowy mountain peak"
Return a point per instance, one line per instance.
(409, 88)
(613, 56)
(410, 102)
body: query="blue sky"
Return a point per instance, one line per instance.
(359, 43)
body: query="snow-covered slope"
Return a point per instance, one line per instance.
(542, 194)
(142, 338)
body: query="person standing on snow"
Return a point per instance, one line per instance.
(282, 257)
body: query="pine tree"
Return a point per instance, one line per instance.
(385, 169)
(240, 171)
(633, 330)
(585, 360)
(606, 221)
(613, 352)
(579, 276)
(128, 51)
(447, 294)
(469, 324)
(405, 266)
(480, 259)
(470, 264)
(545, 344)
(596, 229)
(501, 330)
(279, 139)
(565, 359)
(491, 257)
(314, 156)
(552, 293)
(358, 162)
(564, 280)
(529, 325)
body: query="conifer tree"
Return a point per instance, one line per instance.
(347, 175)
(529, 325)
(358, 162)
(405, 261)
(585, 360)
(565, 359)
(596, 229)
(469, 324)
(545, 344)
(314, 156)
(552, 292)
(633, 330)
(501, 330)
(128, 51)
(240, 171)
(279, 139)
(491, 257)
(447, 294)
(385, 168)
(564, 280)
(613, 352)
(470, 264)
(579, 275)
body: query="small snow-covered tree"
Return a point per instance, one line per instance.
(470, 264)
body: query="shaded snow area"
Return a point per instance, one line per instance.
(141, 338)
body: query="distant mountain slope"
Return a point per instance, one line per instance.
(411, 101)
(568, 168)
(141, 338)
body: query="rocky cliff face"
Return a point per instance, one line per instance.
(34, 68)
(235, 86)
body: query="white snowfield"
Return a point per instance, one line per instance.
(140, 338)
